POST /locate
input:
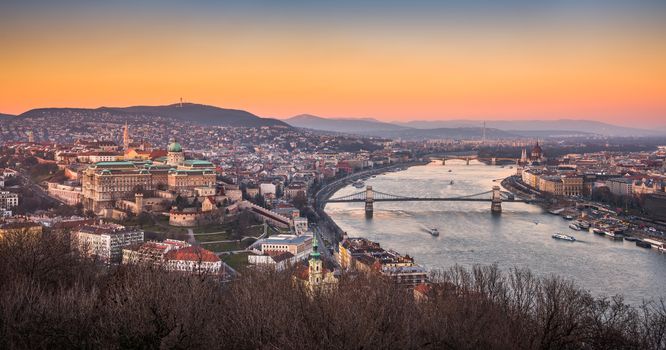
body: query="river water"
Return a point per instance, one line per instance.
(520, 236)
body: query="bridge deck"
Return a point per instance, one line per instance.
(425, 199)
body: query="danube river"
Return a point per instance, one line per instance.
(520, 236)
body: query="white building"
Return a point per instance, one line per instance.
(278, 261)
(300, 225)
(193, 259)
(620, 186)
(298, 246)
(105, 241)
(151, 253)
(8, 200)
(267, 188)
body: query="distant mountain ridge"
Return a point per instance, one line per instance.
(376, 128)
(560, 125)
(341, 125)
(6, 116)
(420, 129)
(204, 114)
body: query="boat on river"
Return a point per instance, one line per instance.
(564, 237)
(597, 231)
(358, 184)
(614, 236)
(643, 244)
(433, 231)
(574, 227)
(582, 224)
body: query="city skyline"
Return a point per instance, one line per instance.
(390, 61)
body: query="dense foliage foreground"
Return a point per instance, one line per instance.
(49, 298)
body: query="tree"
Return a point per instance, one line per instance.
(180, 202)
(260, 200)
(245, 220)
(144, 219)
(300, 201)
(78, 208)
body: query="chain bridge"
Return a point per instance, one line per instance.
(495, 196)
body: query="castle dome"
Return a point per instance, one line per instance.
(174, 146)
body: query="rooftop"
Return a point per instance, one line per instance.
(192, 254)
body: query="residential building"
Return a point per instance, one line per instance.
(620, 186)
(8, 200)
(105, 241)
(193, 260)
(151, 253)
(21, 228)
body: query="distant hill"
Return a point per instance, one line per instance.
(372, 127)
(341, 125)
(448, 133)
(188, 112)
(6, 116)
(203, 114)
(566, 125)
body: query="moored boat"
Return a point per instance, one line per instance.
(614, 236)
(661, 246)
(583, 224)
(574, 227)
(643, 244)
(597, 231)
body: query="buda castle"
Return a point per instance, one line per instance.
(104, 184)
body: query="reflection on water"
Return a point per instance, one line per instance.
(520, 236)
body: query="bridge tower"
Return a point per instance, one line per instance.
(467, 159)
(369, 200)
(443, 161)
(496, 204)
(493, 161)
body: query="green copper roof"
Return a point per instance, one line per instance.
(114, 164)
(315, 253)
(174, 146)
(198, 162)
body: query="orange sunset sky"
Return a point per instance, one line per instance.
(601, 60)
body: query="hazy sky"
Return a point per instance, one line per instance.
(392, 60)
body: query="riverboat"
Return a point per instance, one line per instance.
(359, 184)
(433, 231)
(564, 237)
(574, 227)
(614, 236)
(643, 244)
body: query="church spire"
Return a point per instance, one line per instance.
(126, 140)
(315, 255)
